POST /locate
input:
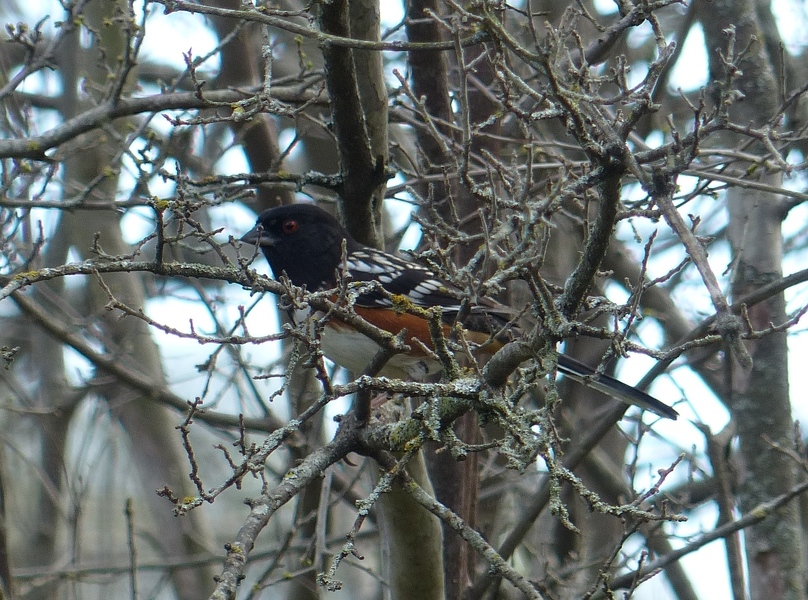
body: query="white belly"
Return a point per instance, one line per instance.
(353, 350)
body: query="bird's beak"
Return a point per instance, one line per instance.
(257, 236)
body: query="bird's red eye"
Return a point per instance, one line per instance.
(289, 226)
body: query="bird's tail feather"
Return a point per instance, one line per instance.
(579, 372)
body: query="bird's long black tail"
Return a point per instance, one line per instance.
(579, 372)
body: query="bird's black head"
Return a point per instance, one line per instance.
(302, 240)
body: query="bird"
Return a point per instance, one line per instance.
(305, 243)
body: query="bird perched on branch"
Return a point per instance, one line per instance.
(306, 243)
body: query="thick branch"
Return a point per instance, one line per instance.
(360, 175)
(263, 508)
(596, 244)
(91, 119)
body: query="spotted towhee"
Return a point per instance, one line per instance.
(306, 243)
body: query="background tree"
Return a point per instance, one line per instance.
(573, 160)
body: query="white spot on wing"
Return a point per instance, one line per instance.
(366, 267)
(427, 287)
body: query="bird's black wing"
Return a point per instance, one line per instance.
(399, 277)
